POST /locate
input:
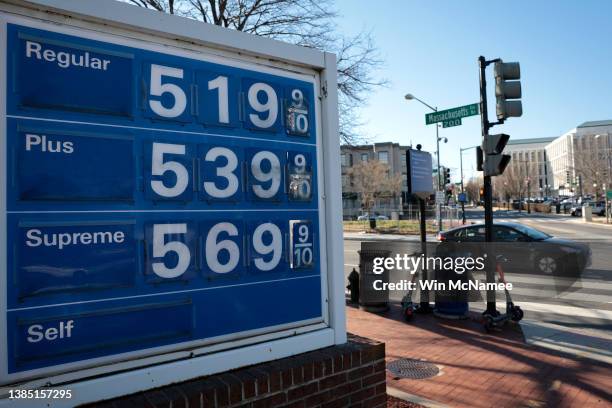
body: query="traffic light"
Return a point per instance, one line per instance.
(446, 176)
(507, 87)
(568, 179)
(494, 161)
(479, 159)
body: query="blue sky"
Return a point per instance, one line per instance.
(431, 48)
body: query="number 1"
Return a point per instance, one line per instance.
(220, 83)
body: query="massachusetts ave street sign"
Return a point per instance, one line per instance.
(450, 114)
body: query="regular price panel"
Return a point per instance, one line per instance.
(153, 202)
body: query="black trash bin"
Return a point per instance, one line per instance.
(370, 299)
(558, 208)
(372, 223)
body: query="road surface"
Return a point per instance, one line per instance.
(579, 320)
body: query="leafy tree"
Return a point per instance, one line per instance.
(309, 23)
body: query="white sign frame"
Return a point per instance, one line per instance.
(132, 25)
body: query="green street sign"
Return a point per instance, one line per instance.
(609, 194)
(451, 123)
(450, 114)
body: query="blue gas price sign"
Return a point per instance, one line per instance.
(155, 202)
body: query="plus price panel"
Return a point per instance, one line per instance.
(154, 201)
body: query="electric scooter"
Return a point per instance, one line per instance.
(513, 312)
(408, 306)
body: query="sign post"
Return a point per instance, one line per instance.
(420, 183)
(161, 201)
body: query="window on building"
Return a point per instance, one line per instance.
(383, 157)
(364, 157)
(346, 160)
(345, 181)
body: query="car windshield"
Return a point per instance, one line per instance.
(531, 232)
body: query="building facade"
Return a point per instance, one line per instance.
(580, 159)
(576, 163)
(391, 154)
(529, 158)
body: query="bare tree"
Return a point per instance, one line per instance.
(514, 183)
(593, 168)
(371, 180)
(309, 23)
(472, 188)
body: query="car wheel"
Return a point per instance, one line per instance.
(546, 264)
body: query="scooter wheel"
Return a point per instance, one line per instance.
(517, 314)
(488, 324)
(408, 314)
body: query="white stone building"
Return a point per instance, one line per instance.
(580, 159)
(529, 156)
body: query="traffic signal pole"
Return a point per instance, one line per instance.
(508, 104)
(488, 188)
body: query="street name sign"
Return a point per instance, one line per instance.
(451, 123)
(160, 199)
(419, 169)
(450, 114)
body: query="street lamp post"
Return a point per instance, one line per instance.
(609, 175)
(528, 195)
(409, 97)
(462, 188)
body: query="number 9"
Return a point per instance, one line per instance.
(300, 163)
(275, 247)
(274, 175)
(298, 97)
(303, 233)
(271, 105)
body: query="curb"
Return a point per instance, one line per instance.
(415, 399)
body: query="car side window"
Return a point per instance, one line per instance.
(475, 234)
(505, 234)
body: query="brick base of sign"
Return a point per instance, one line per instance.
(349, 375)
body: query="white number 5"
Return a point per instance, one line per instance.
(158, 89)
(158, 168)
(161, 248)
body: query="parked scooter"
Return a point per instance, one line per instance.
(513, 312)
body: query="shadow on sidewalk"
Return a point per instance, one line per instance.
(558, 378)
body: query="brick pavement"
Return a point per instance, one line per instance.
(484, 370)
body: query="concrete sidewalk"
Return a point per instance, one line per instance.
(484, 370)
